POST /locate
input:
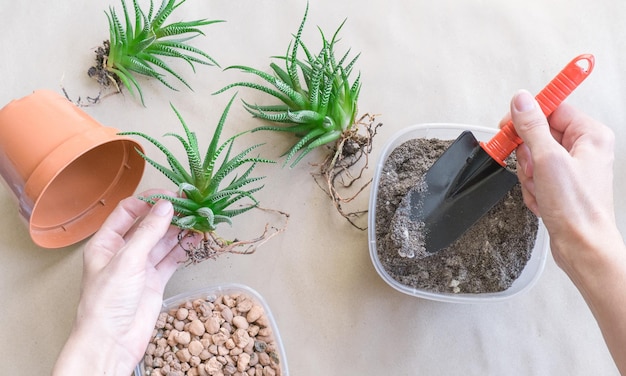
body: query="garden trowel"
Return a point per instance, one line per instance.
(470, 177)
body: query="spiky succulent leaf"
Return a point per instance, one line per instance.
(318, 101)
(206, 197)
(134, 47)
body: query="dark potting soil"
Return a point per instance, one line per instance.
(488, 257)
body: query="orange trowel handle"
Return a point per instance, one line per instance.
(507, 140)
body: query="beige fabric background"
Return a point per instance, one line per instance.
(422, 61)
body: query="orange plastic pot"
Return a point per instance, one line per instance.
(66, 171)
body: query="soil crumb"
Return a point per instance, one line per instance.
(489, 257)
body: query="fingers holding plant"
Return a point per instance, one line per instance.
(213, 188)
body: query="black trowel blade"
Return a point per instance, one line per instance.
(459, 188)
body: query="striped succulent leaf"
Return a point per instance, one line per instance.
(319, 102)
(137, 46)
(210, 186)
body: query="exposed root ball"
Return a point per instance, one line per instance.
(100, 73)
(105, 78)
(210, 246)
(335, 174)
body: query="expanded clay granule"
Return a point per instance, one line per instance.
(221, 335)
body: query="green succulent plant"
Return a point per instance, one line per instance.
(137, 47)
(319, 103)
(206, 197)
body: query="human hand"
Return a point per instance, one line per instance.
(566, 171)
(565, 166)
(127, 264)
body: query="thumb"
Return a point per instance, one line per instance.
(149, 231)
(530, 122)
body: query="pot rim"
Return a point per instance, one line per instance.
(82, 222)
(99, 166)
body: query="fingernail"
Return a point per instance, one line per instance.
(523, 101)
(162, 208)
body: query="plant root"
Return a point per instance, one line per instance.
(106, 79)
(101, 73)
(334, 175)
(89, 101)
(211, 246)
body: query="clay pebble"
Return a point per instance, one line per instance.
(220, 335)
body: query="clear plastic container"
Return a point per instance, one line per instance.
(220, 290)
(531, 271)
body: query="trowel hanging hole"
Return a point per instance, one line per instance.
(585, 63)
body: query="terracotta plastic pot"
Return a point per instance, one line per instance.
(66, 170)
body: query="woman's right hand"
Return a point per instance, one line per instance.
(565, 167)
